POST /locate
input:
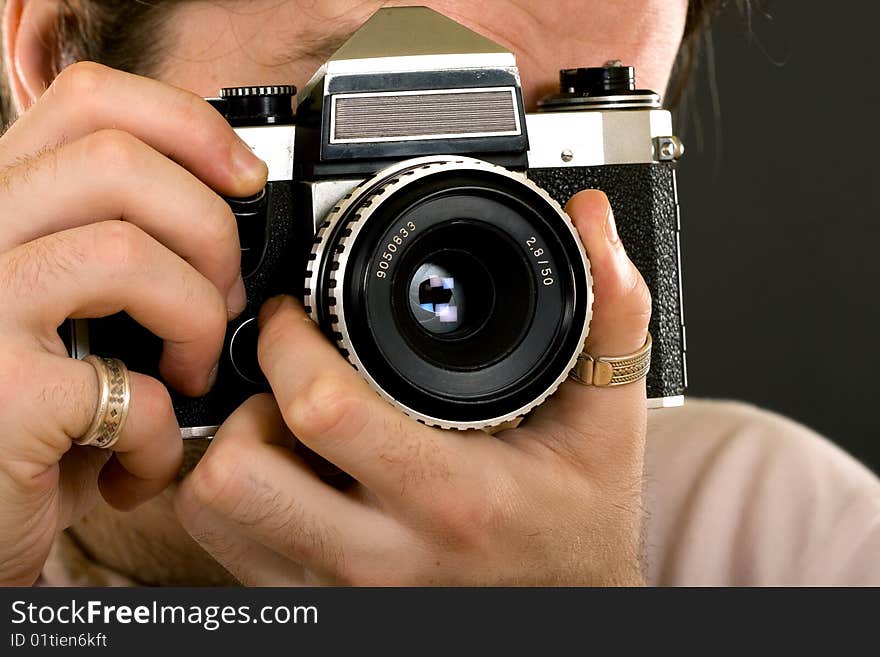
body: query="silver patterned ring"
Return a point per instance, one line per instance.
(114, 398)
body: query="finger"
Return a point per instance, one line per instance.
(251, 477)
(590, 419)
(87, 97)
(250, 562)
(621, 300)
(58, 398)
(100, 177)
(78, 483)
(110, 267)
(149, 452)
(332, 410)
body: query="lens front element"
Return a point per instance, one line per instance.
(470, 296)
(437, 295)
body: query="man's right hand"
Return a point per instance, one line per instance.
(109, 202)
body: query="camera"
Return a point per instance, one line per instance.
(416, 209)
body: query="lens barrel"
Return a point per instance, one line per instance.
(457, 288)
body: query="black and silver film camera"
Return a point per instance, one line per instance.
(421, 205)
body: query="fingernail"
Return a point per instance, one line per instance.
(212, 378)
(247, 165)
(611, 228)
(237, 299)
(269, 309)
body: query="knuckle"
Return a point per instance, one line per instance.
(115, 151)
(452, 520)
(194, 116)
(190, 113)
(215, 479)
(326, 407)
(459, 520)
(155, 402)
(119, 244)
(472, 521)
(82, 80)
(199, 118)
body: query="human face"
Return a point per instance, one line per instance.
(275, 41)
(216, 44)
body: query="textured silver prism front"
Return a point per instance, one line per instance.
(431, 114)
(399, 39)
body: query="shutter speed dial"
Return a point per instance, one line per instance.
(271, 105)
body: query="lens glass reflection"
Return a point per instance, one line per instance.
(441, 291)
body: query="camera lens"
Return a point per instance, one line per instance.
(459, 290)
(468, 291)
(437, 294)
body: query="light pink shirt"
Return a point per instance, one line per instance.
(739, 496)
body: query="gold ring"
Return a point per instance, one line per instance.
(114, 398)
(607, 371)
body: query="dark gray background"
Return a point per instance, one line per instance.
(780, 217)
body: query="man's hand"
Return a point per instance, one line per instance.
(110, 201)
(555, 501)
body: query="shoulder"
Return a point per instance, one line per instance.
(739, 495)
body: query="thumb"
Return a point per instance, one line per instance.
(586, 417)
(621, 300)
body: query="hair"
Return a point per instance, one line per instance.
(699, 18)
(128, 36)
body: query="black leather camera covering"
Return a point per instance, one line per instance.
(643, 197)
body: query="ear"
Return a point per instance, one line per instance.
(28, 44)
